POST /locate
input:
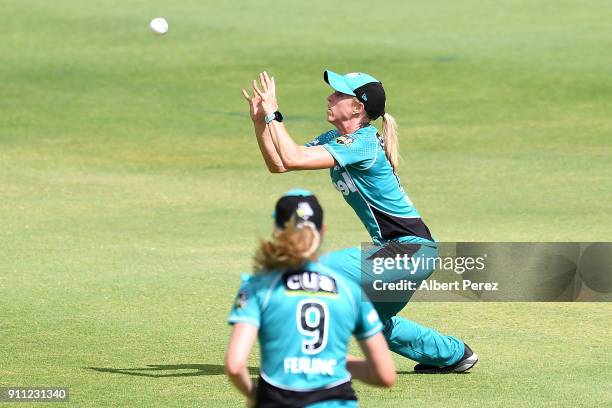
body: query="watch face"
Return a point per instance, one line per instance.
(269, 118)
(278, 116)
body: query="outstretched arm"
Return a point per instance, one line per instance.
(264, 139)
(292, 155)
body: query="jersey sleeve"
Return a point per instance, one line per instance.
(357, 149)
(313, 142)
(368, 322)
(246, 308)
(321, 139)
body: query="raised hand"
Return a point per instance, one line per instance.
(267, 93)
(257, 112)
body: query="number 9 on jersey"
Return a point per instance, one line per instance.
(312, 321)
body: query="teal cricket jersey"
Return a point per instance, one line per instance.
(305, 319)
(369, 185)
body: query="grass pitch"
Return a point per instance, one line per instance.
(132, 191)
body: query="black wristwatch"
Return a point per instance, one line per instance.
(274, 116)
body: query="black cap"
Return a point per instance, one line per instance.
(373, 97)
(303, 204)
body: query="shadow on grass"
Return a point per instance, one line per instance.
(415, 373)
(194, 370)
(170, 370)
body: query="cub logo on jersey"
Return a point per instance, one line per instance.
(307, 281)
(345, 140)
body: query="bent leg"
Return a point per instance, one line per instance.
(422, 344)
(407, 338)
(410, 339)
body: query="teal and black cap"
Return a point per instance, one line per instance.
(366, 88)
(303, 204)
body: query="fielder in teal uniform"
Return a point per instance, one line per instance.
(304, 315)
(363, 167)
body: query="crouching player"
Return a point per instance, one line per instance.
(304, 315)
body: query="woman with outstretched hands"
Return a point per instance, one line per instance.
(363, 165)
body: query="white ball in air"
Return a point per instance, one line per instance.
(159, 26)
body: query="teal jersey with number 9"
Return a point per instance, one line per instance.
(305, 319)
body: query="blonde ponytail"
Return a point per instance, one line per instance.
(289, 248)
(390, 138)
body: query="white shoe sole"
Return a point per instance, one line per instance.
(467, 363)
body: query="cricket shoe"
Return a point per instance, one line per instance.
(468, 361)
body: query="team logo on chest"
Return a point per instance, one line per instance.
(345, 140)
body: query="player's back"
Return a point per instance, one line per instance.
(306, 318)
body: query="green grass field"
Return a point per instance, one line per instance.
(132, 190)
